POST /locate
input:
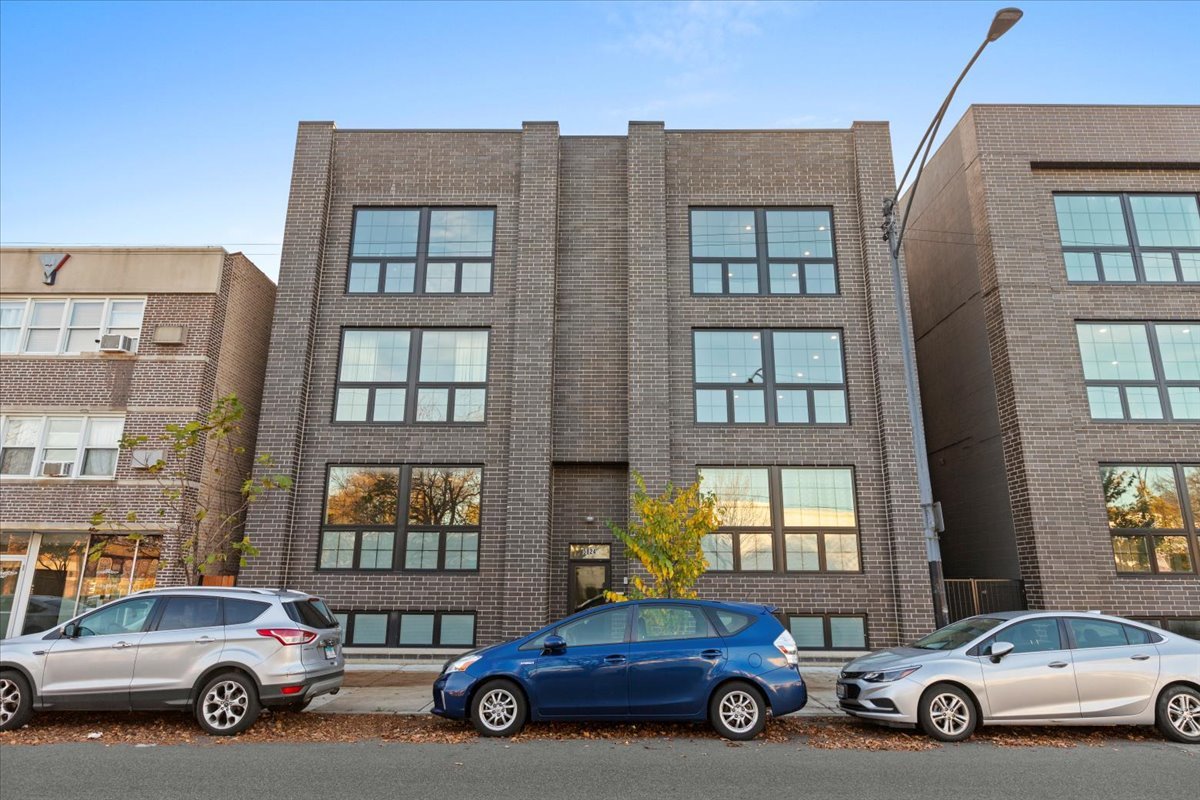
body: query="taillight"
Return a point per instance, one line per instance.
(785, 644)
(288, 635)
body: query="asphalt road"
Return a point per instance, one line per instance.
(657, 769)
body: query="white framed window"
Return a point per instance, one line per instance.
(57, 446)
(67, 325)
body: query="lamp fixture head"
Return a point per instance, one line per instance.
(1004, 20)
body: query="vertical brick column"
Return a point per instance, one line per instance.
(649, 307)
(271, 523)
(910, 572)
(526, 562)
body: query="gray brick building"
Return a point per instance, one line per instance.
(480, 335)
(118, 342)
(1054, 269)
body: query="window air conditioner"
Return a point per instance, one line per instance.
(57, 469)
(115, 343)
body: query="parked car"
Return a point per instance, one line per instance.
(221, 653)
(1031, 668)
(728, 663)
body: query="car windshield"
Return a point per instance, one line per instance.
(957, 634)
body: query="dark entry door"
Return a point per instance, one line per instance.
(588, 581)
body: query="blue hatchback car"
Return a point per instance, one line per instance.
(685, 660)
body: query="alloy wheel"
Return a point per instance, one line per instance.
(739, 711)
(225, 705)
(949, 713)
(10, 700)
(1184, 714)
(498, 709)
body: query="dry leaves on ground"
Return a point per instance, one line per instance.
(822, 733)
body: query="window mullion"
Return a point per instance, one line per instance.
(1130, 231)
(422, 251)
(775, 502)
(39, 452)
(414, 373)
(405, 484)
(77, 467)
(760, 247)
(1160, 373)
(767, 337)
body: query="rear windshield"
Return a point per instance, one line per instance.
(312, 612)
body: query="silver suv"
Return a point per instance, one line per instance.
(223, 653)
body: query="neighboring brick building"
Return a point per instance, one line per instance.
(480, 334)
(180, 327)
(1054, 257)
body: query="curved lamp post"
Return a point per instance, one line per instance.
(893, 233)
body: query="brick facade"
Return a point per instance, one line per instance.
(1014, 451)
(590, 362)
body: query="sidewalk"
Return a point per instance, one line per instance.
(392, 689)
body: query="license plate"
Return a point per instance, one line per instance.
(841, 690)
(331, 651)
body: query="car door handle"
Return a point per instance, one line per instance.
(205, 640)
(711, 653)
(1057, 664)
(614, 659)
(1140, 657)
(122, 645)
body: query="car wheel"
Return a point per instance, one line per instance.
(1179, 714)
(947, 713)
(499, 708)
(16, 700)
(227, 705)
(737, 711)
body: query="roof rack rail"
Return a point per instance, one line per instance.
(247, 589)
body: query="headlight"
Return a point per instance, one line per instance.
(460, 664)
(889, 675)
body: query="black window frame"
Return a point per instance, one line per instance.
(826, 618)
(778, 530)
(1133, 249)
(401, 527)
(762, 258)
(1190, 530)
(769, 386)
(412, 384)
(392, 635)
(1160, 382)
(421, 258)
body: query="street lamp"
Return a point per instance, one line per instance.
(1004, 20)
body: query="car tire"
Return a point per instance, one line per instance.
(16, 700)
(737, 711)
(1178, 716)
(499, 708)
(947, 713)
(228, 704)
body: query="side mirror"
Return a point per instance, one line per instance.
(999, 650)
(71, 631)
(554, 644)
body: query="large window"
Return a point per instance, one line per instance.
(1141, 371)
(59, 447)
(763, 251)
(793, 519)
(392, 376)
(1152, 516)
(421, 251)
(407, 628)
(365, 528)
(784, 377)
(67, 326)
(1130, 238)
(829, 631)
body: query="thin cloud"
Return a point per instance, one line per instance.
(695, 31)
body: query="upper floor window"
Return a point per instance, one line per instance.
(798, 519)
(366, 528)
(398, 375)
(1130, 238)
(1141, 371)
(421, 251)
(65, 326)
(1153, 511)
(59, 447)
(769, 377)
(763, 251)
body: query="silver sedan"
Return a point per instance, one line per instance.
(1031, 668)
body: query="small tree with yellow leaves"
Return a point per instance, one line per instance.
(665, 536)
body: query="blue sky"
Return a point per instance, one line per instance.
(174, 123)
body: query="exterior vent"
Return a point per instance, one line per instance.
(115, 343)
(57, 469)
(168, 334)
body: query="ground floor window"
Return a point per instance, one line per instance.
(407, 628)
(829, 631)
(48, 578)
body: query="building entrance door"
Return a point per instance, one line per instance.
(589, 575)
